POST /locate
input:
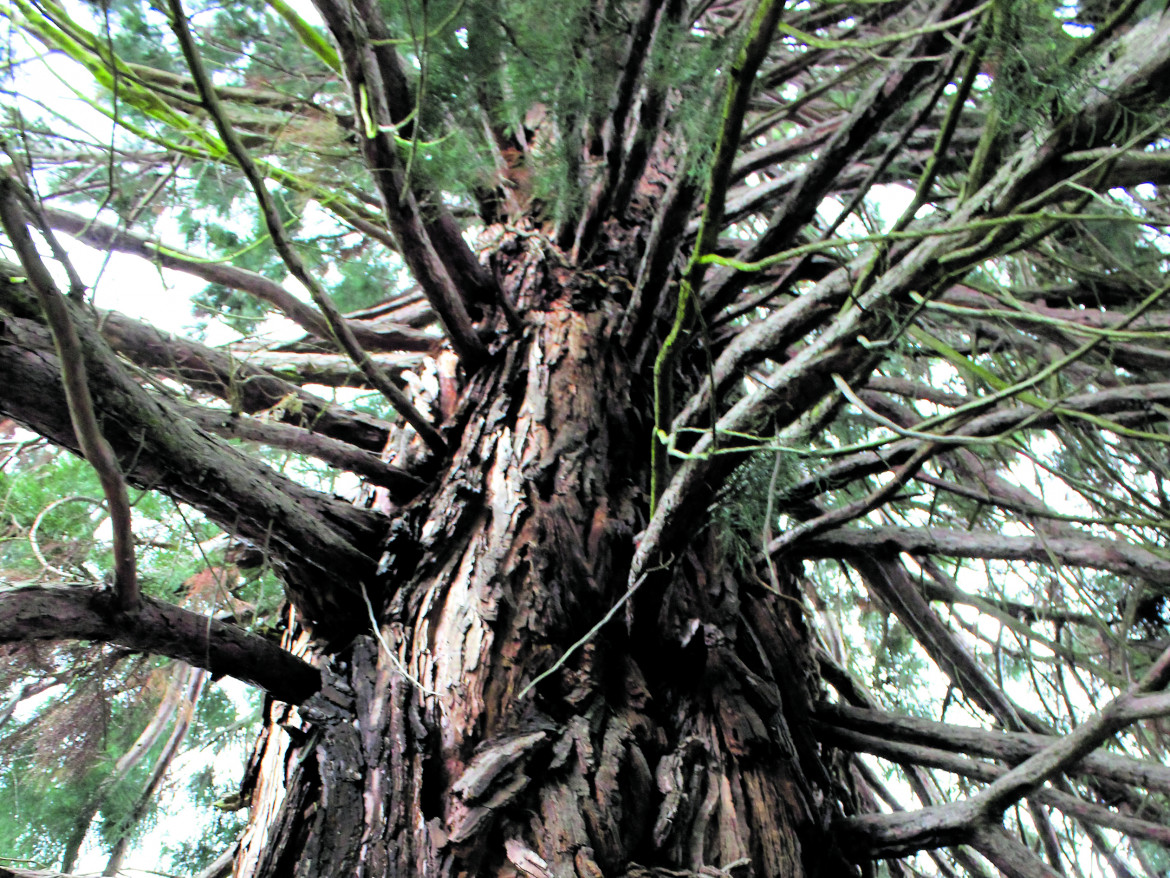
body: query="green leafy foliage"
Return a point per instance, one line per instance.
(1028, 49)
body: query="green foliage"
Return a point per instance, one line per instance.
(740, 516)
(57, 755)
(1028, 50)
(362, 284)
(56, 768)
(898, 664)
(690, 65)
(54, 764)
(139, 34)
(65, 531)
(191, 856)
(221, 726)
(1157, 856)
(51, 503)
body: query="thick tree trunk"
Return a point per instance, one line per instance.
(674, 741)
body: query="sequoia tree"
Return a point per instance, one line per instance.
(760, 412)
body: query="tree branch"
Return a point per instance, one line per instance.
(1116, 556)
(107, 237)
(88, 613)
(893, 834)
(235, 380)
(401, 485)
(323, 546)
(1067, 803)
(379, 90)
(1003, 746)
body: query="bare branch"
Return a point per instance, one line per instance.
(979, 770)
(243, 382)
(401, 484)
(966, 819)
(1117, 556)
(107, 237)
(1003, 746)
(85, 613)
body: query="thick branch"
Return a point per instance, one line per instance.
(323, 546)
(916, 754)
(943, 593)
(242, 382)
(434, 254)
(328, 370)
(613, 134)
(872, 110)
(888, 580)
(89, 613)
(1145, 400)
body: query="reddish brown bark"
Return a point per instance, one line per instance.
(675, 740)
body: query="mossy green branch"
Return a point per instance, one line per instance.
(743, 73)
(310, 37)
(815, 42)
(990, 223)
(1021, 390)
(60, 33)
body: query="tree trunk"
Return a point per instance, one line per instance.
(674, 741)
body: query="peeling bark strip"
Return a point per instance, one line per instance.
(85, 613)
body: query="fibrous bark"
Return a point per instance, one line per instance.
(662, 744)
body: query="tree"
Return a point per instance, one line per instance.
(756, 387)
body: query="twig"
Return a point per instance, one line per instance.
(394, 659)
(590, 634)
(34, 543)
